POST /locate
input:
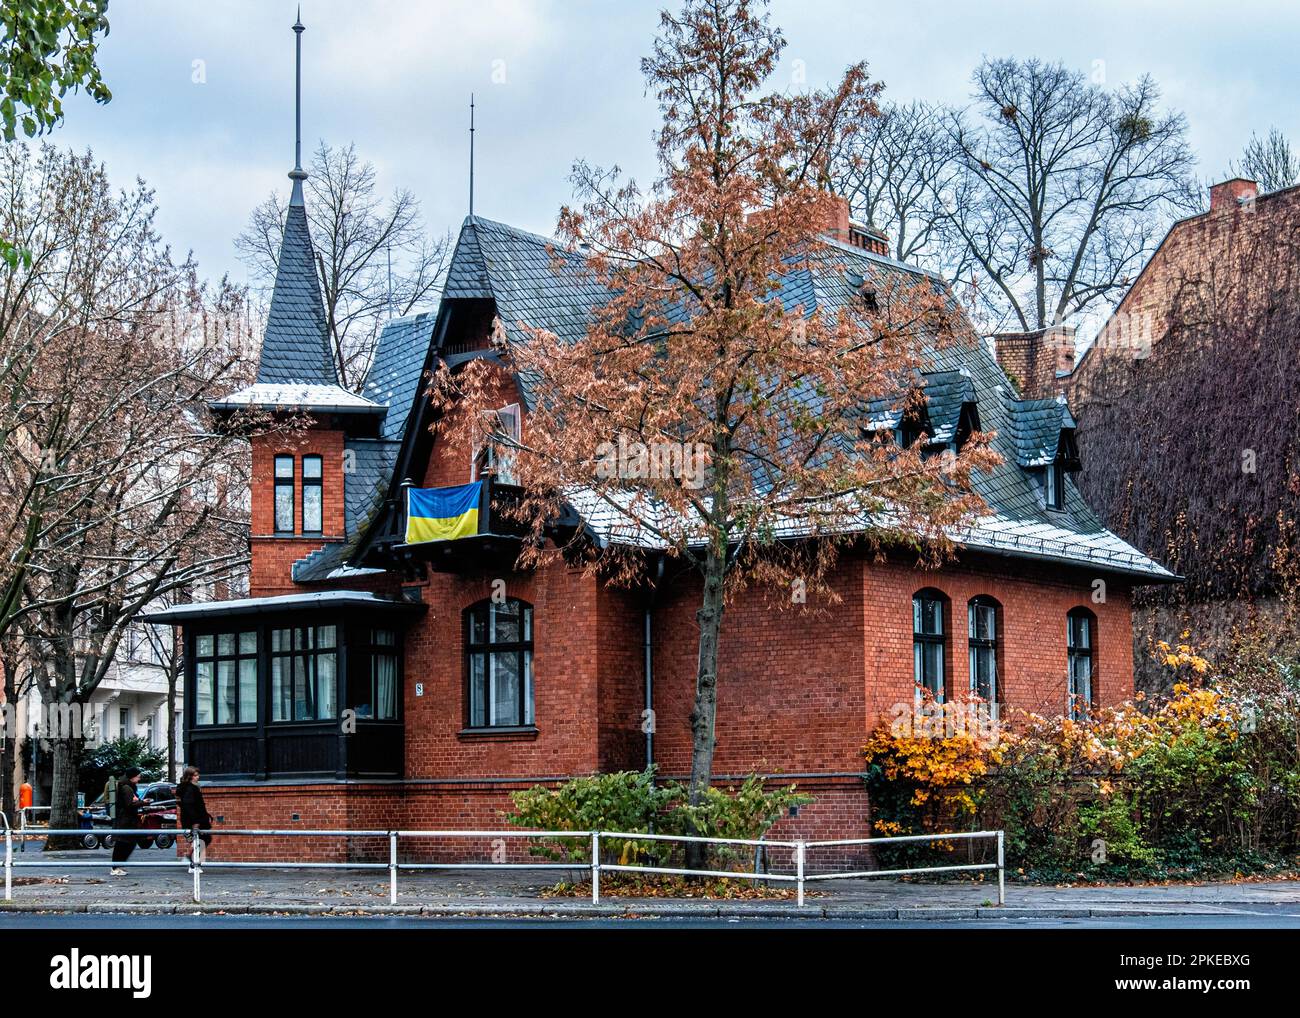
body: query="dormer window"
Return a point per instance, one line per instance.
(1054, 485)
(967, 424)
(907, 432)
(495, 459)
(1067, 458)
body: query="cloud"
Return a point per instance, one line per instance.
(395, 78)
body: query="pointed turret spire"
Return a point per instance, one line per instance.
(297, 174)
(296, 346)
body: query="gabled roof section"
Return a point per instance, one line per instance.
(533, 280)
(467, 274)
(295, 347)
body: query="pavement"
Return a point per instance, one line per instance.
(40, 886)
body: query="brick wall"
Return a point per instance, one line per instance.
(273, 554)
(800, 686)
(1211, 249)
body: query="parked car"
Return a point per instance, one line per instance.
(158, 815)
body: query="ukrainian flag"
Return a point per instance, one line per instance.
(442, 514)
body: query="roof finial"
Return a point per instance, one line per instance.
(471, 154)
(297, 174)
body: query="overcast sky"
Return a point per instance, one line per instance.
(203, 92)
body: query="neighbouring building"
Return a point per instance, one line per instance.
(130, 702)
(1187, 408)
(456, 698)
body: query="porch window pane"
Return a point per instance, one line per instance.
(203, 693)
(385, 679)
(304, 707)
(248, 690)
(225, 672)
(383, 675)
(326, 684)
(227, 692)
(281, 696)
(304, 673)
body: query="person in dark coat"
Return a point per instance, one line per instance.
(194, 813)
(127, 810)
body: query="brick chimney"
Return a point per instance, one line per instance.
(1232, 193)
(1036, 359)
(841, 227)
(837, 219)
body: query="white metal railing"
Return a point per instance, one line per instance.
(800, 877)
(25, 822)
(1000, 865)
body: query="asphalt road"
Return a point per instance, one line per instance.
(1263, 918)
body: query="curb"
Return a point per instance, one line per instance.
(571, 910)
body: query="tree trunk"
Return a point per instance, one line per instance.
(63, 794)
(9, 747)
(8, 761)
(704, 714)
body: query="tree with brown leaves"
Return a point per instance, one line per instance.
(753, 410)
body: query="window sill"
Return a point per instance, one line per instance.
(520, 733)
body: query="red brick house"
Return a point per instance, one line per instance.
(368, 683)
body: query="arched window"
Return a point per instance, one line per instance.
(499, 664)
(1081, 647)
(928, 641)
(982, 632)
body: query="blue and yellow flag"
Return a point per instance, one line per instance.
(442, 514)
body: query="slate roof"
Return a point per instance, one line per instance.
(295, 346)
(296, 396)
(534, 282)
(394, 376)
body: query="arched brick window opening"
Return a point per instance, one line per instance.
(984, 634)
(1081, 649)
(930, 641)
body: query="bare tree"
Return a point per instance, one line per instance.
(1269, 161)
(897, 174)
(167, 510)
(374, 259)
(1065, 187)
(115, 487)
(92, 261)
